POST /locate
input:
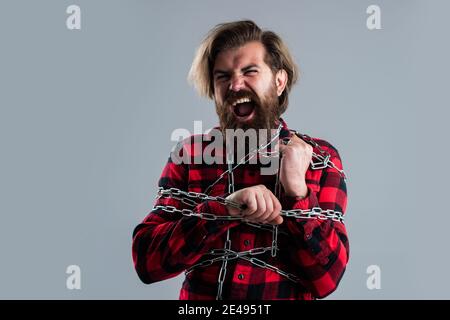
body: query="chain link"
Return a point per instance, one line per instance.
(274, 241)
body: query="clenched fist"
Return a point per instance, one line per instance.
(295, 162)
(261, 205)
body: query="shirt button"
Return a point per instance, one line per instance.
(247, 243)
(241, 276)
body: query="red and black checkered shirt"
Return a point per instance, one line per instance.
(316, 251)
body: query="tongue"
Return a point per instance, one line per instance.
(243, 109)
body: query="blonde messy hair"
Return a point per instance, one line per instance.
(234, 35)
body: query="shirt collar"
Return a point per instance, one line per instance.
(285, 132)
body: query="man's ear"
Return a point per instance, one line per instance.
(281, 78)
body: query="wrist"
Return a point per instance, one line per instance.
(301, 192)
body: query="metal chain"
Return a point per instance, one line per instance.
(248, 255)
(265, 227)
(245, 159)
(190, 213)
(274, 241)
(223, 269)
(263, 264)
(226, 254)
(176, 193)
(313, 213)
(323, 158)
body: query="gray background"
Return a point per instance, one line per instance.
(86, 118)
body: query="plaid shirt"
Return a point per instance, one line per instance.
(316, 251)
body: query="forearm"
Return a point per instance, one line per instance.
(162, 248)
(321, 246)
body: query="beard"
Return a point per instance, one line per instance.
(266, 114)
(267, 110)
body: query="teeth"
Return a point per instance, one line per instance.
(242, 100)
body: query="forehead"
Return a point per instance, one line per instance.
(235, 58)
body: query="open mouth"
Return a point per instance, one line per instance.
(243, 108)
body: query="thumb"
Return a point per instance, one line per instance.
(232, 211)
(277, 220)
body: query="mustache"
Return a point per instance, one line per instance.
(232, 96)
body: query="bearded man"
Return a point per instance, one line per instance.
(238, 233)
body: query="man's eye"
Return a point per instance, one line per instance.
(222, 77)
(251, 72)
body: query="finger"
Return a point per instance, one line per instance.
(268, 197)
(232, 211)
(274, 219)
(277, 220)
(252, 205)
(261, 207)
(276, 209)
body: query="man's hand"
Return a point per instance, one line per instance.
(296, 157)
(261, 205)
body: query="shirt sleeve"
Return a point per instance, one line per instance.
(322, 248)
(167, 243)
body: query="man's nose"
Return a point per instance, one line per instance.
(236, 83)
